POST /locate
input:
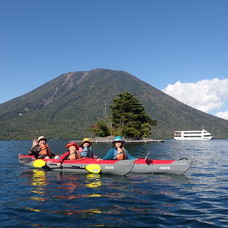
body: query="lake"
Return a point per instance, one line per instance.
(199, 198)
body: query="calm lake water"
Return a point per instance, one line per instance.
(199, 198)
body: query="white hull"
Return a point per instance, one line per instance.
(192, 135)
(180, 138)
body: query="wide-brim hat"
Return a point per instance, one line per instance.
(42, 137)
(86, 140)
(118, 139)
(72, 144)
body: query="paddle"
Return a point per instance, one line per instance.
(148, 162)
(93, 168)
(147, 156)
(39, 163)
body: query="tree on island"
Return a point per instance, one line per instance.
(100, 129)
(128, 119)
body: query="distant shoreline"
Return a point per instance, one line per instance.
(110, 139)
(98, 140)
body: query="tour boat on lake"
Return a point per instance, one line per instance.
(192, 135)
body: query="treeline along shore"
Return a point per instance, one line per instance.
(110, 139)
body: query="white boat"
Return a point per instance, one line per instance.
(192, 135)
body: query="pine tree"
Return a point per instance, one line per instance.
(129, 117)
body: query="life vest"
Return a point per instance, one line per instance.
(45, 150)
(86, 152)
(121, 155)
(74, 156)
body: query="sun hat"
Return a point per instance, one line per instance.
(41, 137)
(72, 144)
(86, 140)
(118, 139)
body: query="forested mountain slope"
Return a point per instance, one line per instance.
(65, 107)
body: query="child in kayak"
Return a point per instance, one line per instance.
(118, 152)
(86, 150)
(72, 153)
(40, 148)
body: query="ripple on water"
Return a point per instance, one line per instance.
(35, 198)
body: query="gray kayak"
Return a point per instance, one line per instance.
(116, 167)
(151, 166)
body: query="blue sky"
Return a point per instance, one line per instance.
(171, 44)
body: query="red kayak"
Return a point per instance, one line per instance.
(117, 167)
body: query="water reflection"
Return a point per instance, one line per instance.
(93, 195)
(70, 191)
(93, 180)
(68, 183)
(63, 194)
(73, 183)
(77, 188)
(39, 182)
(51, 199)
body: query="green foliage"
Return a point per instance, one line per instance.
(129, 117)
(65, 108)
(100, 129)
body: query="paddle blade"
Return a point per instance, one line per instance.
(93, 168)
(39, 163)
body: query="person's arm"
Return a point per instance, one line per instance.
(90, 153)
(62, 158)
(31, 151)
(109, 155)
(49, 151)
(34, 151)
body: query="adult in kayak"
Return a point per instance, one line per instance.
(86, 149)
(72, 153)
(118, 152)
(40, 148)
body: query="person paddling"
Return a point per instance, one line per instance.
(118, 152)
(72, 153)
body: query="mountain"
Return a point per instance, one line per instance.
(65, 107)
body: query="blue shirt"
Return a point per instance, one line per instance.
(112, 153)
(87, 152)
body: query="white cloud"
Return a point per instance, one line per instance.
(205, 95)
(223, 115)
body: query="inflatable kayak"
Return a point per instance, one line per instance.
(117, 167)
(83, 165)
(151, 166)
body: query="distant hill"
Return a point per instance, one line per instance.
(65, 107)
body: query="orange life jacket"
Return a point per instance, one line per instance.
(121, 155)
(45, 150)
(75, 155)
